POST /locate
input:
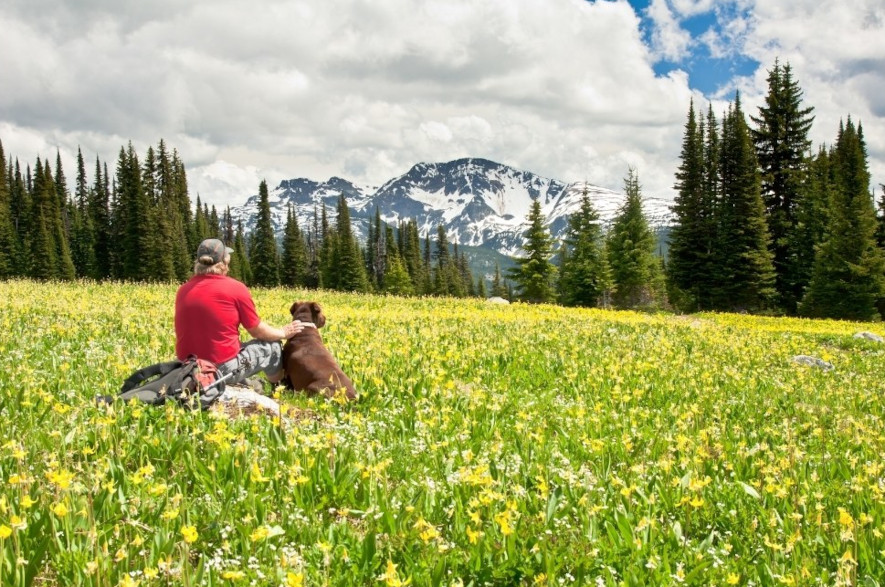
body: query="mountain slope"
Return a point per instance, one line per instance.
(479, 202)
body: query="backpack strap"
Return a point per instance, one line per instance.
(149, 372)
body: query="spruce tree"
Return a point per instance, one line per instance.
(8, 244)
(535, 274)
(745, 274)
(847, 279)
(132, 216)
(583, 268)
(782, 145)
(635, 269)
(20, 209)
(294, 259)
(397, 280)
(812, 213)
(240, 268)
(42, 260)
(499, 288)
(690, 246)
(158, 240)
(263, 252)
(82, 229)
(350, 269)
(174, 202)
(99, 212)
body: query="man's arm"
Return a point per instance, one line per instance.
(264, 331)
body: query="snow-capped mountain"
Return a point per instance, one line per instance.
(479, 202)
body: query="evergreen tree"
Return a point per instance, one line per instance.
(328, 253)
(847, 278)
(584, 271)
(397, 280)
(61, 223)
(20, 208)
(350, 269)
(499, 288)
(82, 230)
(481, 287)
(240, 268)
(42, 259)
(312, 277)
(263, 252)
(131, 217)
(535, 274)
(634, 268)
(157, 254)
(691, 247)
(294, 260)
(782, 144)
(174, 202)
(99, 212)
(812, 212)
(880, 217)
(8, 244)
(744, 266)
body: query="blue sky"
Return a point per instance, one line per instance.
(706, 72)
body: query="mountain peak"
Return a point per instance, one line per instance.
(479, 202)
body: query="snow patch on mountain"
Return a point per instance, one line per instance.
(478, 202)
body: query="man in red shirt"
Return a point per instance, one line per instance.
(209, 309)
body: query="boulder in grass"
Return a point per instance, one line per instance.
(243, 401)
(869, 336)
(810, 361)
(497, 300)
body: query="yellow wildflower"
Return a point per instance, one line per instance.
(189, 533)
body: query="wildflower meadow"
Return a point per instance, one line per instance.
(490, 445)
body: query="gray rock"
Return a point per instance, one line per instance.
(240, 400)
(497, 300)
(869, 336)
(810, 361)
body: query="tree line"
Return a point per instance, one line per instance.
(138, 224)
(762, 224)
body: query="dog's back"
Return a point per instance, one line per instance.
(309, 365)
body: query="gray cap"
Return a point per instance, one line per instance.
(212, 251)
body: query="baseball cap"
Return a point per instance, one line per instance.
(212, 251)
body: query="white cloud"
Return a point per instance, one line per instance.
(669, 40)
(272, 89)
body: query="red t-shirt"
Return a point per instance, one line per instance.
(208, 312)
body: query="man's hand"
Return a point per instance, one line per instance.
(292, 328)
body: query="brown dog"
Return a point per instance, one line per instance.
(308, 363)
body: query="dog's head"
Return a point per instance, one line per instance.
(308, 312)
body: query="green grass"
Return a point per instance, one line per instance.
(491, 445)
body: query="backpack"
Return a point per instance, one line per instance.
(194, 383)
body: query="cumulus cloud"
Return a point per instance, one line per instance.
(669, 40)
(272, 89)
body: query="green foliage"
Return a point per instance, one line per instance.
(692, 237)
(782, 147)
(847, 278)
(743, 260)
(535, 274)
(8, 244)
(635, 269)
(294, 259)
(348, 267)
(263, 249)
(585, 275)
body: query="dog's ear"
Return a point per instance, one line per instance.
(294, 308)
(317, 312)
